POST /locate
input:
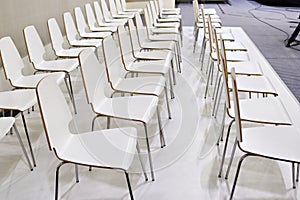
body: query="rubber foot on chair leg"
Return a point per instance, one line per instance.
(294, 187)
(170, 117)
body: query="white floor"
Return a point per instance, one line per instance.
(185, 169)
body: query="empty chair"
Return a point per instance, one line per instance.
(102, 21)
(83, 27)
(107, 149)
(36, 53)
(6, 123)
(279, 143)
(115, 14)
(139, 108)
(93, 24)
(73, 37)
(60, 48)
(107, 15)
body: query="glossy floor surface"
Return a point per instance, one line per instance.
(185, 169)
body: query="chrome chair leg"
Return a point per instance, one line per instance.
(76, 174)
(129, 185)
(28, 139)
(297, 176)
(293, 176)
(218, 101)
(196, 39)
(207, 82)
(70, 90)
(167, 102)
(224, 151)
(171, 85)
(173, 72)
(57, 178)
(108, 123)
(222, 126)
(22, 146)
(141, 160)
(161, 134)
(149, 152)
(237, 174)
(231, 159)
(215, 95)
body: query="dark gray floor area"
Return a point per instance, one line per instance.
(262, 24)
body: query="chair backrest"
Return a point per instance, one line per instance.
(123, 2)
(112, 60)
(98, 13)
(80, 20)
(93, 75)
(91, 19)
(196, 10)
(148, 18)
(71, 30)
(34, 45)
(56, 36)
(125, 45)
(55, 113)
(140, 28)
(119, 6)
(223, 66)
(210, 35)
(153, 10)
(112, 6)
(11, 59)
(237, 115)
(106, 14)
(134, 38)
(150, 15)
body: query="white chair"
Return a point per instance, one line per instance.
(36, 53)
(279, 143)
(6, 123)
(93, 24)
(256, 110)
(13, 66)
(121, 6)
(60, 48)
(107, 15)
(107, 149)
(83, 27)
(74, 39)
(115, 14)
(146, 42)
(100, 17)
(134, 108)
(19, 100)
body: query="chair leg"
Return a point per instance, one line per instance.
(76, 174)
(297, 176)
(179, 51)
(237, 174)
(167, 102)
(93, 121)
(215, 94)
(70, 90)
(207, 82)
(22, 146)
(149, 152)
(173, 72)
(57, 178)
(171, 85)
(231, 159)
(222, 126)
(293, 176)
(141, 161)
(162, 138)
(108, 123)
(218, 100)
(196, 39)
(224, 150)
(129, 185)
(28, 139)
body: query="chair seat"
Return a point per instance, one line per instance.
(255, 84)
(107, 27)
(233, 56)
(103, 148)
(20, 100)
(118, 21)
(164, 30)
(123, 16)
(164, 37)
(72, 52)
(279, 142)
(263, 110)
(67, 65)
(158, 45)
(137, 108)
(167, 25)
(171, 15)
(33, 80)
(153, 66)
(142, 85)
(247, 68)
(112, 23)
(95, 34)
(155, 55)
(86, 43)
(234, 46)
(5, 125)
(169, 19)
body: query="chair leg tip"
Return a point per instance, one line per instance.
(153, 179)
(219, 176)
(170, 117)
(294, 187)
